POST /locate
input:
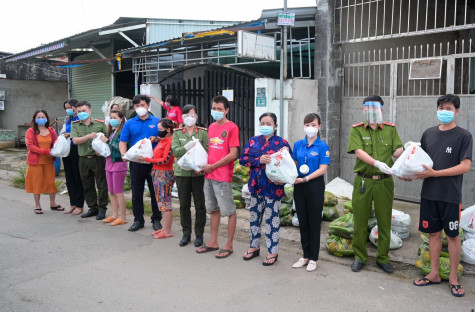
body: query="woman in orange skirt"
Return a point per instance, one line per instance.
(40, 176)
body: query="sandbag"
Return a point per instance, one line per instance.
(99, 146)
(395, 242)
(282, 168)
(141, 148)
(61, 147)
(411, 161)
(196, 158)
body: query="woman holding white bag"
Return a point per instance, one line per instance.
(188, 181)
(312, 156)
(265, 195)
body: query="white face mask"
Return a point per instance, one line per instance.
(141, 111)
(189, 121)
(310, 131)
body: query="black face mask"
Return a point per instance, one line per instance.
(162, 134)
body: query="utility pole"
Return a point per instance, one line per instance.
(283, 69)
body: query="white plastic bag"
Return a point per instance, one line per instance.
(194, 159)
(295, 220)
(61, 147)
(468, 251)
(400, 219)
(340, 188)
(282, 168)
(467, 220)
(395, 241)
(411, 161)
(141, 148)
(100, 147)
(245, 192)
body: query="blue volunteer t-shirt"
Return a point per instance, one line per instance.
(69, 122)
(314, 155)
(136, 129)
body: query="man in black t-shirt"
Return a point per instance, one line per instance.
(450, 148)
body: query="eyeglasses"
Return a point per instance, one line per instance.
(189, 115)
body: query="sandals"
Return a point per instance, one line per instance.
(157, 232)
(38, 211)
(77, 211)
(226, 253)
(426, 282)
(118, 222)
(264, 263)
(109, 220)
(70, 210)
(57, 208)
(204, 249)
(249, 255)
(162, 235)
(456, 287)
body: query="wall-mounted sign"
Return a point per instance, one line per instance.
(229, 94)
(261, 97)
(285, 19)
(427, 68)
(2, 105)
(37, 52)
(255, 46)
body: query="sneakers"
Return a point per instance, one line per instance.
(311, 265)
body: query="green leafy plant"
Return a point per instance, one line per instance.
(127, 182)
(18, 181)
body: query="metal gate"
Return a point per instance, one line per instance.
(200, 89)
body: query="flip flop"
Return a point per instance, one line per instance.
(226, 251)
(162, 235)
(57, 208)
(250, 255)
(264, 263)
(109, 220)
(118, 222)
(206, 249)
(77, 211)
(456, 287)
(38, 211)
(70, 210)
(426, 281)
(157, 232)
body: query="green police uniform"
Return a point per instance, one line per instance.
(91, 166)
(189, 182)
(378, 188)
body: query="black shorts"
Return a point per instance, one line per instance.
(438, 215)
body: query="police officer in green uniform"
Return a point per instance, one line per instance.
(188, 181)
(91, 166)
(375, 143)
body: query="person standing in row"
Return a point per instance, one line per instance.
(173, 109)
(189, 182)
(312, 157)
(40, 175)
(162, 175)
(265, 195)
(223, 150)
(116, 169)
(91, 166)
(375, 143)
(140, 127)
(71, 162)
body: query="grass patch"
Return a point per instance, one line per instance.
(18, 181)
(147, 206)
(127, 182)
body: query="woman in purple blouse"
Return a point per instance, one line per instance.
(265, 195)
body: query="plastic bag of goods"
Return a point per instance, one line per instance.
(468, 251)
(282, 168)
(411, 161)
(285, 209)
(339, 246)
(342, 226)
(245, 192)
(467, 220)
(395, 242)
(330, 199)
(330, 213)
(61, 147)
(400, 223)
(286, 220)
(241, 171)
(295, 220)
(196, 158)
(340, 188)
(141, 148)
(240, 203)
(444, 267)
(423, 251)
(289, 194)
(425, 237)
(99, 146)
(348, 207)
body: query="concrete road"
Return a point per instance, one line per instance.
(57, 262)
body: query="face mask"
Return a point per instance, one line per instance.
(70, 112)
(266, 130)
(141, 111)
(445, 116)
(217, 115)
(83, 115)
(114, 122)
(162, 133)
(41, 121)
(310, 131)
(189, 121)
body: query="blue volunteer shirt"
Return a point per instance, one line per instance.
(136, 129)
(314, 155)
(69, 122)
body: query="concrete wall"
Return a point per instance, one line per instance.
(23, 97)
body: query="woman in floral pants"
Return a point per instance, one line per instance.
(265, 195)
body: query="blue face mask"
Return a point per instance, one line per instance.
(217, 115)
(445, 116)
(266, 130)
(83, 115)
(70, 112)
(41, 121)
(114, 122)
